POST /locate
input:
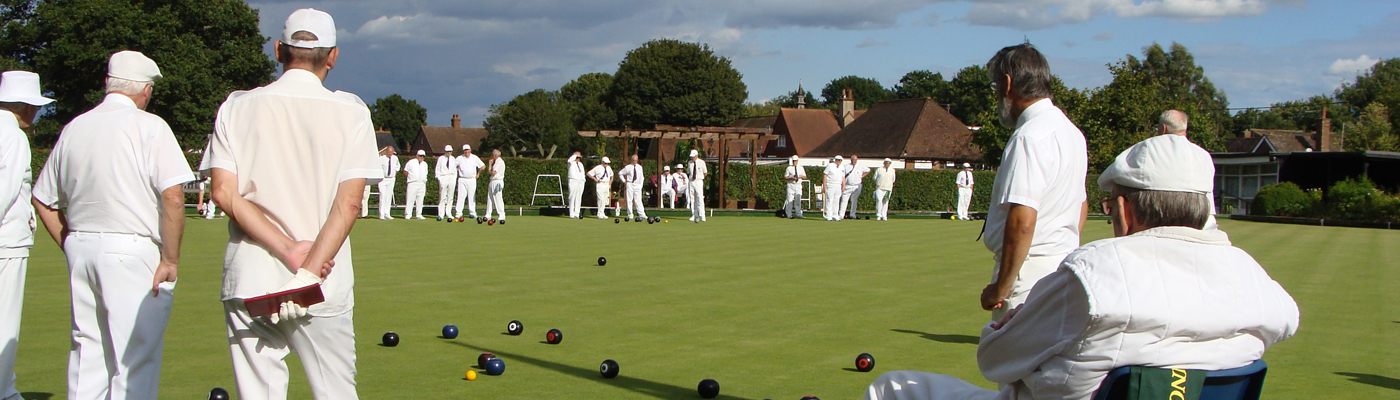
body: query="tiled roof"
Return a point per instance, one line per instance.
(909, 128)
(432, 138)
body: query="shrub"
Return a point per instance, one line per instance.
(1353, 199)
(1284, 199)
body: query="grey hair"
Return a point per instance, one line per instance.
(495, 152)
(1176, 121)
(1155, 208)
(126, 86)
(1030, 73)
(316, 57)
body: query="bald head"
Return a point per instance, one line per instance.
(1173, 122)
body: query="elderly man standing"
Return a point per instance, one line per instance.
(1117, 302)
(633, 177)
(469, 166)
(667, 186)
(964, 182)
(794, 175)
(850, 195)
(110, 195)
(833, 183)
(295, 227)
(389, 164)
(446, 173)
(496, 186)
(1174, 122)
(416, 171)
(1038, 204)
(884, 185)
(576, 177)
(698, 171)
(20, 100)
(602, 176)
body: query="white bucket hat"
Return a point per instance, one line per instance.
(21, 87)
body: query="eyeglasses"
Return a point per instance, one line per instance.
(1107, 203)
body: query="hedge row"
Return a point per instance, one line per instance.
(914, 190)
(1351, 199)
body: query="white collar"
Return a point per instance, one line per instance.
(1037, 108)
(12, 122)
(1211, 237)
(300, 75)
(119, 99)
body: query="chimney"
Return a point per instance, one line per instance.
(848, 107)
(456, 121)
(1324, 140)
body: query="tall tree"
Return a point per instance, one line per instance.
(586, 93)
(922, 84)
(1372, 131)
(539, 122)
(866, 91)
(402, 117)
(672, 82)
(1380, 84)
(206, 49)
(789, 100)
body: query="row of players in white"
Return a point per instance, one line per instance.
(456, 177)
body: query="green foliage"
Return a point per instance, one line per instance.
(790, 100)
(403, 117)
(1373, 131)
(1282, 199)
(668, 81)
(539, 123)
(1259, 119)
(1353, 199)
(1379, 85)
(764, 109)
(866, 91)
(921, 84)
(586, 94)
(205, 49)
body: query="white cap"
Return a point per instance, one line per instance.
(667, 168)
(966, 165)
(888, 161)
(793, 158)
(694, 153)
(679, 166)
(314, 21)
(1168, 163)
(466, 147)
(447, 148)
(606, 161)
(21, 87)
(132, 66)
(838, 158)
(422, 153)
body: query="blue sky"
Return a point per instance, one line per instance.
(460, 57)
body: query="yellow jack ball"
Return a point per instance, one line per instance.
(471, 375)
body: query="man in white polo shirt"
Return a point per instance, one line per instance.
(602, 176)
(446, 173)
(469, 166)
(632, 179)
(833, 183)
(576, 178)
(850, 195)
(291, 215)
(389, 163)
(1038, 203)
(666, 184)
(682, 183)
(698, 171)
(20, 100)
(884, 186)
(794, 175)
(113, 186)
(964, 182)
(416, 172)
(496, 186)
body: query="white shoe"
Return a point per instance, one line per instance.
(421, 217)
(692, 219)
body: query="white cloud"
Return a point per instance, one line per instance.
(1354, 66)
(1045, 14)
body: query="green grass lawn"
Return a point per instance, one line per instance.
(770, 308)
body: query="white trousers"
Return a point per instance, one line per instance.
(446, 188)
(575, 197)
(1032, 270)
(634, 200)
(882, 204)
(11, 304)
(964, 199)
(831, 202)
(915, 385)
(324, 345)
(495, 198)
(793, 205)
(118, 327)
(386, 199)
(414, 197)
(850, 200)
(696, 192)
(364, 203)
(466, 193)
(668, 198)
(210, 211)
(603, 197)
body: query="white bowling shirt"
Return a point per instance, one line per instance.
(16, 187)
(446, 167)
(390, 165)
(832, 175)
(417, 171)
(965, 179)
(1043, 167)
(108, 169)
(681, 180)
(603, 172)
(795, 171)
(576, 170)
(632, 175)
(855, 174)
(668, 182)
(884, 178)
(499, 167)
(698, 170)
(266, 136)
(468, 166)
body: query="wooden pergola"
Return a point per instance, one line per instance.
(720, 134)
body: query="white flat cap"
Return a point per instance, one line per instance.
(1167, 163)
(21, 87)
(311, 20)
(694, 153)
(838, 158)
(132, 66)
(422, 153)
